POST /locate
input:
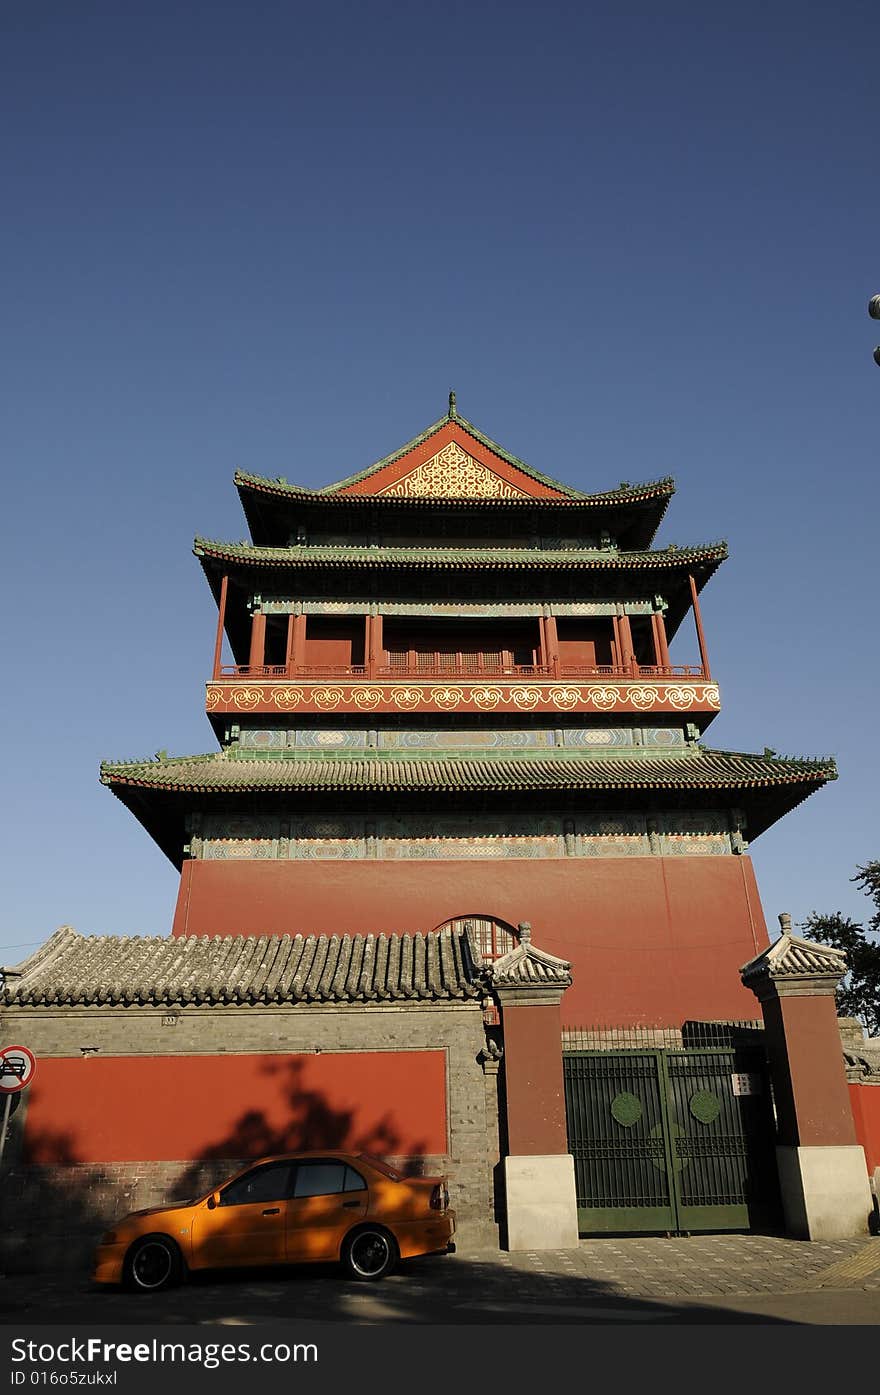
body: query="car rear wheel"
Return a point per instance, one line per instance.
(370, 1253)
(153, 1263)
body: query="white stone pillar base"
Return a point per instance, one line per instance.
(825, 1192)
(541, 1202)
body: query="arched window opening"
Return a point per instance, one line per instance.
(490, 938)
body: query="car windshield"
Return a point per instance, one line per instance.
(381, 1166)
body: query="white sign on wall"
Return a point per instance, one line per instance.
(746, 1083)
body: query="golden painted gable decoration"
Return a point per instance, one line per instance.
(452, 473)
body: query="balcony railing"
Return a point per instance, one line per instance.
(434, 666)
(633, 670)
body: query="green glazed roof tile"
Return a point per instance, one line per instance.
(426, 558)
(703, 769)
(631, 494)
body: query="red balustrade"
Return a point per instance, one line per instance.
(432, 666)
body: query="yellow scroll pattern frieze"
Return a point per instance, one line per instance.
(524, 697)
(452, 473)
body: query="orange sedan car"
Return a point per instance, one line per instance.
(284, 1210)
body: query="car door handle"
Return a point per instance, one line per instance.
(346, 1205)
(273, 1211)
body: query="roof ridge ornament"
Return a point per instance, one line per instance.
(453, 411)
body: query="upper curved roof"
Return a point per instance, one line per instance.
(451, 465)
(448, 424)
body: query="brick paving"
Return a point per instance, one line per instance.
(698, 1265)
(643, 1280)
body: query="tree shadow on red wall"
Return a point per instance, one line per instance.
(311, 1123)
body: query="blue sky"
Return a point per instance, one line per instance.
(636, 239)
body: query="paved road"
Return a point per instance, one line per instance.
(703, 1279)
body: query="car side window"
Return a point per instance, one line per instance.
(321, 1179)
(354, 1182)
(269, 1183)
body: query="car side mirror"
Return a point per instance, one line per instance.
(213, 1200)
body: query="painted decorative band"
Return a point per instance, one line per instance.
(488, 697)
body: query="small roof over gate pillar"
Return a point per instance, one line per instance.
(529, 976)
(794, 966)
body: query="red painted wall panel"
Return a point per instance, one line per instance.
(803, 1040)
(533, 1080)
(866, 1116)
(155, 1108)
(584, 642)
(334, 642)
(652, 940)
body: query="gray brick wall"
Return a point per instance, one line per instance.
(49, 1212)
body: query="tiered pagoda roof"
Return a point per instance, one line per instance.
(509, 534)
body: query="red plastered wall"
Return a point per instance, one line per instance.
(865, 1101)
(652, 940)
(151, 1108)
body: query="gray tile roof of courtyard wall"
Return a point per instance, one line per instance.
(90, 970)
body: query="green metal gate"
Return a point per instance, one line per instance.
(673, 1140)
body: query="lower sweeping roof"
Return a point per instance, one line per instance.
(161, 791)
(703, 769)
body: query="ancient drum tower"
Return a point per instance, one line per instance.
(452, 698)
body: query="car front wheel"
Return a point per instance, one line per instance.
(153, 1263)
(370, 1253)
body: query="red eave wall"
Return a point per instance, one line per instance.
(652, 940)
(389, 474)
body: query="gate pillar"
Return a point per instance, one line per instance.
(538, 1170)
(822, 1173)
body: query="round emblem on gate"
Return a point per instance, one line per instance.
(704, 1106)
(626, 1109)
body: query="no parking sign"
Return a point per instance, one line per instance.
(17, 1067)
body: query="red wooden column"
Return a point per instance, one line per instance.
(822, 1172)
(374, 644)
(257, 656)
(663, 646)
(552, 634)
(617, 643)
(221, 621)
(655, 637)
(288, 648)
(698, 620)
(538, 1168)
(629, 659)
(298, 644)
(544, 659)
